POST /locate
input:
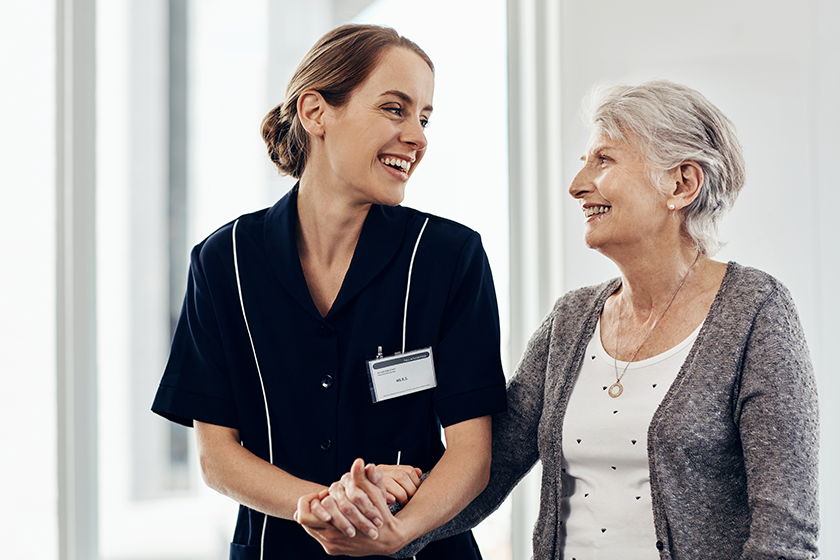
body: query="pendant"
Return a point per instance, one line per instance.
(615, 390)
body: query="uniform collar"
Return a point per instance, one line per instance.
(381, 237)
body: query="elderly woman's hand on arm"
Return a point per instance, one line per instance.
(352, 517)
(359, 500)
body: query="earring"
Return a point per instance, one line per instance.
(671, 207)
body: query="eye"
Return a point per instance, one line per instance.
(424, 122)
(396, 111)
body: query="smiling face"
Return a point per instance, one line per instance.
(373, 144)
(622, 208)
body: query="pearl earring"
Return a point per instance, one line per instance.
(671, 207)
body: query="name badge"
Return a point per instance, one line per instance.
(402, 374)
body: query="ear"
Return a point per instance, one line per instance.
(688, 179)
(311, 108)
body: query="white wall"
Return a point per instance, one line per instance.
(28, 482)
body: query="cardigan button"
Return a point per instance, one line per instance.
(326, 444)
(324, 331)
(326, 381)
(660, 545)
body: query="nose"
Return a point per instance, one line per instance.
(414, 135)
(580, 184)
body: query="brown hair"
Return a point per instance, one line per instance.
(339, 62)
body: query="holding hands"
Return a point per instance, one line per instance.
(352, 517)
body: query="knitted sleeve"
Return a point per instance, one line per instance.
(514, 441)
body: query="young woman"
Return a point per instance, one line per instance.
(287, 310)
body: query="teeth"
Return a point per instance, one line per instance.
(396, 163)
(592, 210)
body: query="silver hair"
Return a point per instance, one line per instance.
(672, 124)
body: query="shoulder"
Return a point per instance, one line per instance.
(749, 290)
(740, 277)
(752, 310)
(221, 240)
(442, 230)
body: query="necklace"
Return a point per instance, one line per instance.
(616, 388)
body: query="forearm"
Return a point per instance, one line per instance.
(460, 475)
(232, 470)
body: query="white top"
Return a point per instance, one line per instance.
(606, 503)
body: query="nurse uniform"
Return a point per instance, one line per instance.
(320, 408)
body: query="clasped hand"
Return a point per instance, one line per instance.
(352, 516)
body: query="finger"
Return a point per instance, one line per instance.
(305, 516)
(360, 500)
(412, 475)
(367, 519)
(338, 520)
(401, 481)
(395, 489)
(374, 475)
(371, 481)
(361, 477)
(319, 511)
(328, 537)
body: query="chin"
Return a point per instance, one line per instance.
(392, 199)
(590, 242)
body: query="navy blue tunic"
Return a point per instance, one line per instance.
(321, 411)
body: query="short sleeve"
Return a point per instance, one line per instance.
(196, 383)
(468, 350)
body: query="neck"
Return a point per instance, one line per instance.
(649, 284)
(328, 224)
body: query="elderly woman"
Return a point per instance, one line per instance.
(674, 409)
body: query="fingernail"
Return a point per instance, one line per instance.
(374, 534)
(377, 522)
(351, 532)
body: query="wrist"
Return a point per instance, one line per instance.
(409, 527)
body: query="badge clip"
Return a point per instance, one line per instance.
(401, 374)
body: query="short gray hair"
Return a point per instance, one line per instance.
(673, 124)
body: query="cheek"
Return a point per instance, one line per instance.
(419, 158)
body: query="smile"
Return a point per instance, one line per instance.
(593, 210)
(396, 163)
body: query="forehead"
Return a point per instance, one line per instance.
(600, 141)
(404, 71)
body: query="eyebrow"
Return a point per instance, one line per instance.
(405, 97)
(600, 147)
(595, 149)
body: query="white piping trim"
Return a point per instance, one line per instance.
(408, 285)
(259, 373)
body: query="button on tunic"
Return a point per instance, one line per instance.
(313, 367)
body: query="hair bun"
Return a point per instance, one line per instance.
(275, 132)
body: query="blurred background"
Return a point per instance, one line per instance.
(130, 131)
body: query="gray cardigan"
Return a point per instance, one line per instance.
(732, 447)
